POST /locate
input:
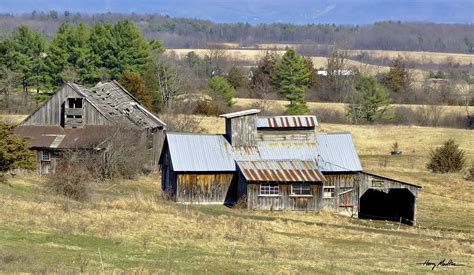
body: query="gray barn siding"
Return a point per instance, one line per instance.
(342, 183)
(242, 131)
(50, 112)
(284, 201)
(206, 188)
(284, 135)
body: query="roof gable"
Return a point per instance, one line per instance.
(336, 152)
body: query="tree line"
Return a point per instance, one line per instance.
(195, 33)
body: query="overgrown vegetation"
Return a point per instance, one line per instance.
(447, 158)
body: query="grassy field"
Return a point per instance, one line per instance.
(136, 230)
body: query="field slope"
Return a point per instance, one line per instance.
(136, 230)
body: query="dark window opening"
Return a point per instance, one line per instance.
(70, 116)
(74, 103)
(301, 189)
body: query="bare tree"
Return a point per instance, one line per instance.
(8, 80)
(168, 80)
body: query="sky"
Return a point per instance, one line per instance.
(267, 11)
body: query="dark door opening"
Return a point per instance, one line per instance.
(396, 204)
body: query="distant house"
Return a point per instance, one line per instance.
(280, 163)
(79, 118)
(337, 72)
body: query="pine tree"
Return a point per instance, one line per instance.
(135, 84)
(23, 54)
(132, 50)
(397, 80)
(293, 77)
(220, 89)
(369, 101)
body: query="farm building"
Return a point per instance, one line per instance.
(280, 163)
(79, 118)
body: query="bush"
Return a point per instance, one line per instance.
(71, 182)
(469, 175)
(447, 158)
(220, 89)
(207, 108)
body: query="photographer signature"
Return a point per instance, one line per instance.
(442, 263)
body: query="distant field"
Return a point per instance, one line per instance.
(252, 56)
(278, 106)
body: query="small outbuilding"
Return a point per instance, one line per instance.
(280, 163)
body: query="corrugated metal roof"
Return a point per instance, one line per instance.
(287, 122)
(281, 171)
(241, 113)
(198, 152)
(277, 150)
(336, 152)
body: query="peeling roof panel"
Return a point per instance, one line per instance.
(198, 152)
(118, 105)
(336, 152)
(281, 171)
(287, 122)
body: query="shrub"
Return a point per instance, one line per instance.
(447, 158)
(220, 89)
(71, 182)
(208, 108)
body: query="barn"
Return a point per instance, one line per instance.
(280, 163)
(79, 118)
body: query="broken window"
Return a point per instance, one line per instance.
(301, 189)
(328, 192)
(269, 189)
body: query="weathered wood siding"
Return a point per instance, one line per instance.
(367, 182)
(346, 192)
(284, 201)
(158, 138)
(282, 135)
(206, 188)
(50, 113)
(242, 131)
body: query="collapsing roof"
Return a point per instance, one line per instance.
(281, 171)
(56, 137)
(118, 105)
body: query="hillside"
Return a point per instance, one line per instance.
(135, 229)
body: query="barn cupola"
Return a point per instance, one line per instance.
(241, 127)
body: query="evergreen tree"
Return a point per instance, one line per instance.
(103, 53)
(293, 77)
(369, 101)
(220, 89)
(135, 84)
(23, 54)
(397, 80)
(132, 51)
(236, 77)
(14, 151)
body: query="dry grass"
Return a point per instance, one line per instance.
(136, 230)
(12, 119)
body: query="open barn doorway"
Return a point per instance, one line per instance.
(394, 205)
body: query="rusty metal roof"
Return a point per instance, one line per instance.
(56, 137)
(281, 171)
(287, 122)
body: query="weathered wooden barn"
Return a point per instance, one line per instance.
(79, 118)
(280, 163)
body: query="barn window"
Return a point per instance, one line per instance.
(45, 156)
(301, 189)
(74, 103)
(377, 183)
(269, 189)
(55, 154)
(328, 192)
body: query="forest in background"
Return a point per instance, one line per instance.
(195, 33)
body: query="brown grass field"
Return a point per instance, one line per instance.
(138, 231)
